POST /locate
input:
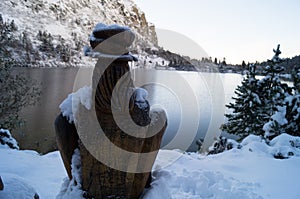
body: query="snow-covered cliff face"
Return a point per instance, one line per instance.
(71, 21)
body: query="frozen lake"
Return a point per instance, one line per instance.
(194, 102)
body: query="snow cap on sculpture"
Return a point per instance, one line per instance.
(111, 41)
(122, 35)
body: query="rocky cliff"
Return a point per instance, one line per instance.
(53, 32)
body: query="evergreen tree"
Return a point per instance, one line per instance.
(17, 91)
(24, 52)
(46, 45)
(7, 38)
(292, 115)
(265, 107)
(276, 58)
(274, 95)
(292, 105)
(222, 144)
(27, 48)
(270, 89)
(279, 101)
(244, 64)
(224, 62)
(63, 50)
(296, 79)
(245, 118)
(216, 61)
(13, 26)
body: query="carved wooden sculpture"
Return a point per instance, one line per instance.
(115, 98)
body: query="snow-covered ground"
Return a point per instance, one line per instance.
(249, 172)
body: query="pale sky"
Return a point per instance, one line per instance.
(236, 29)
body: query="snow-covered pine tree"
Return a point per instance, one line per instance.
(245, 117)
(292, 115)
(273, 94)
(296, 79)
(272, 90)
(222, 144)
(276, 58)
(17, 91)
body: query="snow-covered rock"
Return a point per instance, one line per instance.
(6, 140)
(25, 173)
(281, 147)
(17, 187)
(285, 146)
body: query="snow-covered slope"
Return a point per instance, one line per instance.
(73, 20)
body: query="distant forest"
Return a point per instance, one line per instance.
(287, 63)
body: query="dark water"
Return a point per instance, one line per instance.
(38, 132)
(194, 102)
